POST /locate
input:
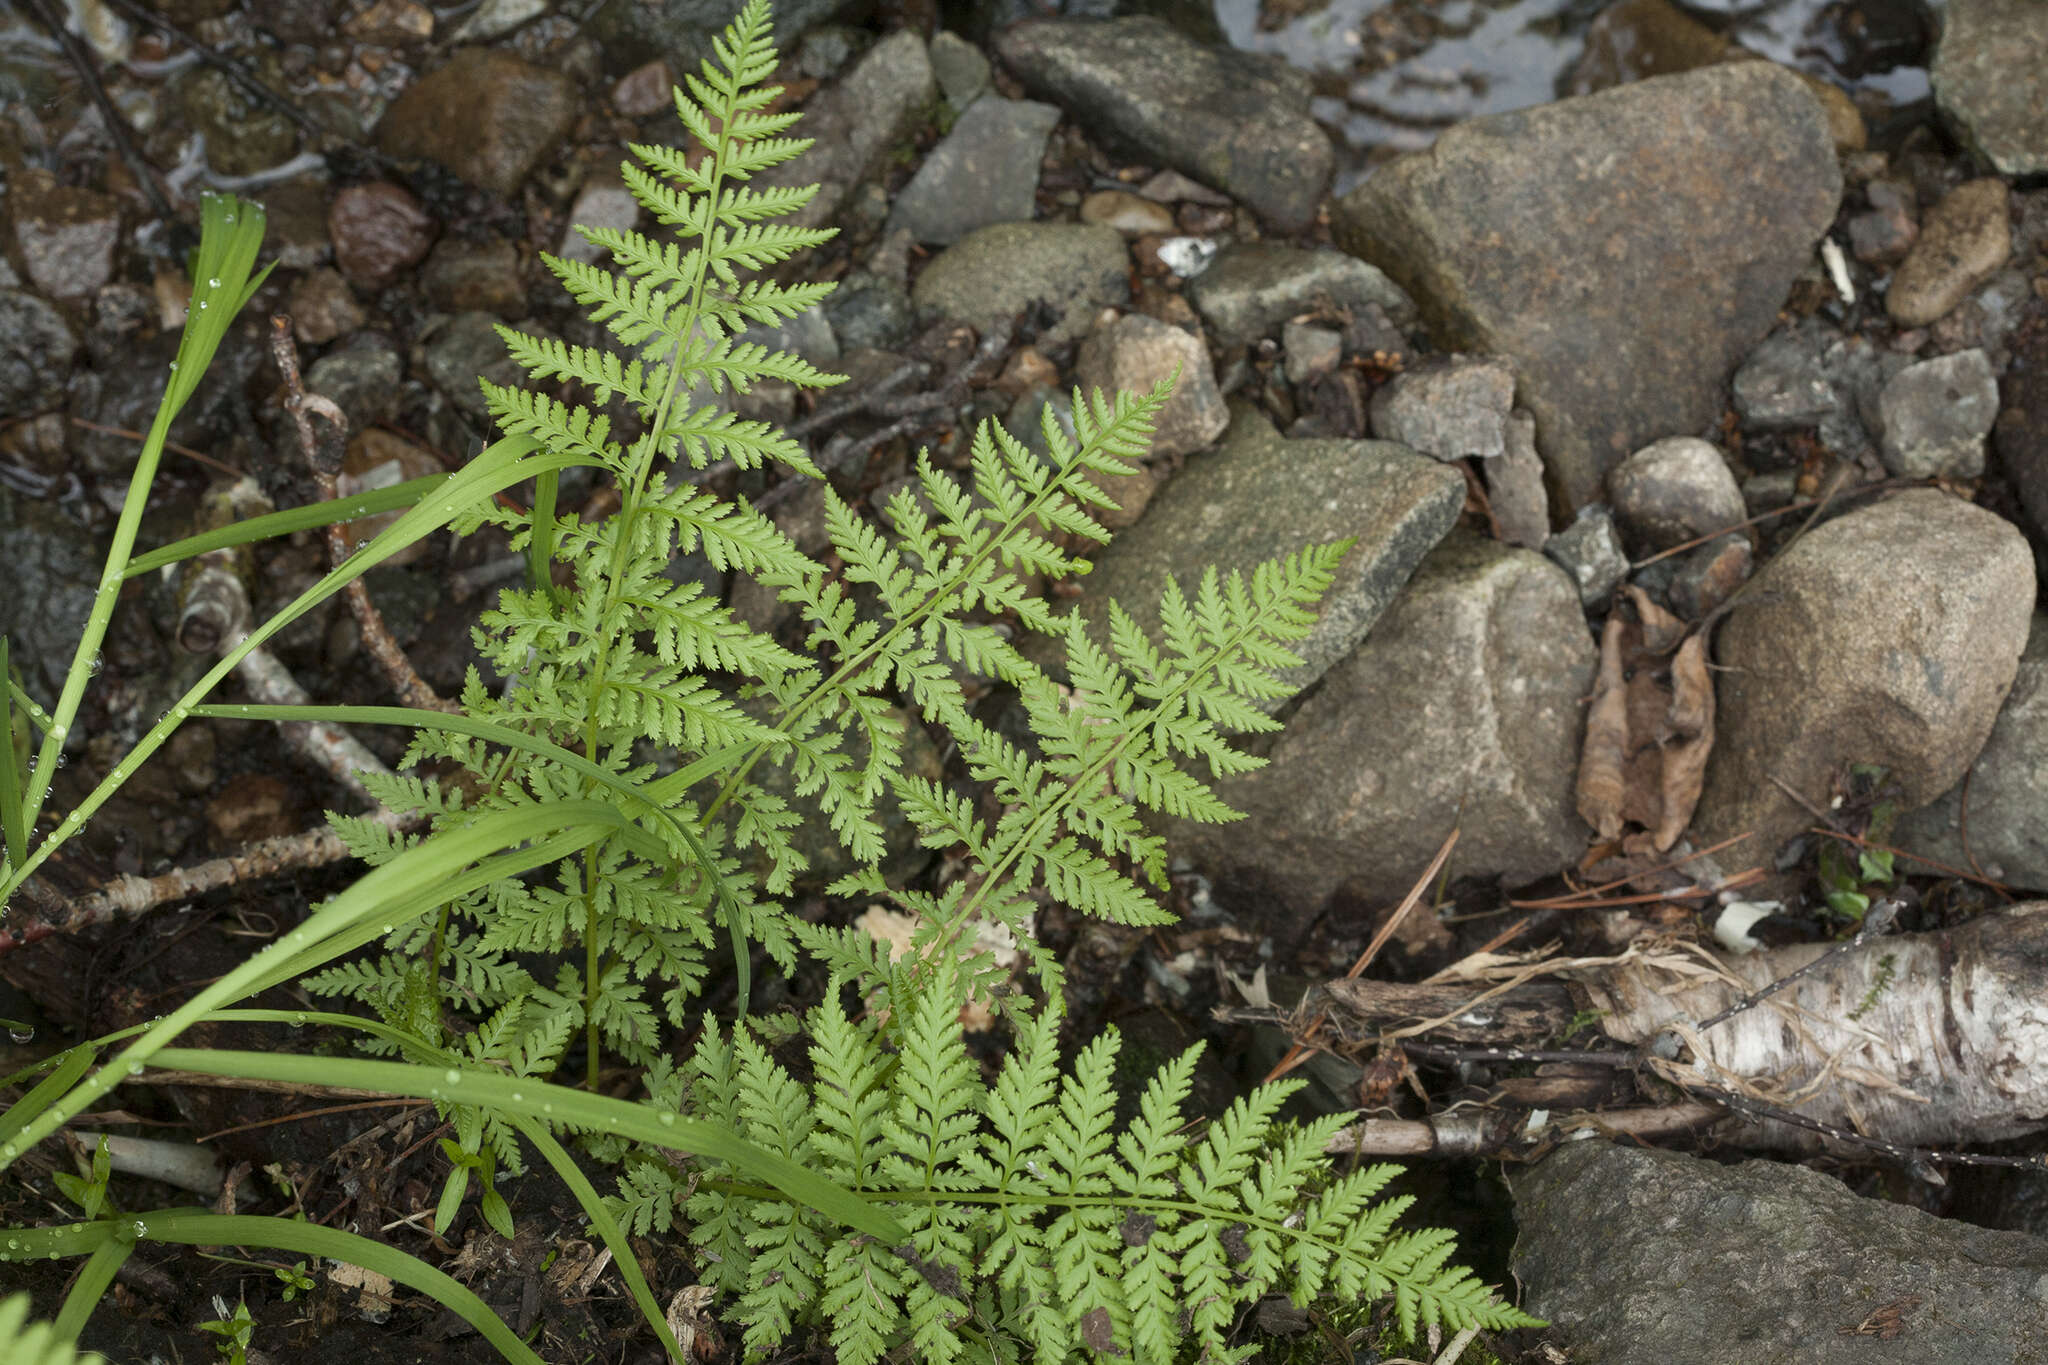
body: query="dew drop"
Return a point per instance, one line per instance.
(7, 1152)
(518, 1097)
(547, 1109)
(174, 364)
(668, 1120)
(14, 1244)
(298, 1020)
(202, 303)
(141, 1228)
(452, 1076)
(21, 1035)
(135, 1068)
(214, 282)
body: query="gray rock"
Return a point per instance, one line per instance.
(1261, 496)
(1990, 76)
(1888, 636)
(461, 276)
(322, 307)
(465, 347)
(1859, 370)
(1135, 352)
(53, 568)
(1784, 384)
(1461, 709)
(603, 203)
(496, 18)
(869, 311)
(1672, 491)
(1624, 250)
(1935, 416)
(124, 397)
(2007, 788)
(1073, 269)
(961, 69)
(1590, 551)
(1514, 486)
(1312, 352)
(2021, 433)
(488, 116)
(1769, 491)
(66, 235)
(681, 31)
(1963, 242)
(1450, 408)
(1699, 1263)
(1252, 288)
(984, 171)
(36, 350)
(854, 122)
(362, 378)
(1235, 120)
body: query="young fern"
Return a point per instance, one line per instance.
(1038, 1233)
(1035, 1232)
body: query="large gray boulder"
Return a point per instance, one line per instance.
(1888, 636)
(2007, 790)
(1259, 496)
(1697, 1263)
(1624, 250)
(1461, 709)
(1990, 76)
(1237, 121)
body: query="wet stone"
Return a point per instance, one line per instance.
(1452, 408)
(868, 311)
(487, 116)
(856, 123)
(1514, 486)
(1936, 416)
(1964, 239)
(36, 350)
(984, 171)
(322, 307)
(1590, 551)
(66, 235)
(243, 137)
(1672, 491)
(379, 231)
(361, 378)
(644, 91)
(463, 276)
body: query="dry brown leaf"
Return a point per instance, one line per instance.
(1600, 789)
(1691, 722)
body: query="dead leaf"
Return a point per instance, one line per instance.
(1691, 725)
(1600, 789)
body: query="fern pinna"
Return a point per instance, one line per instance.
(1038, 1232)
(621, 684)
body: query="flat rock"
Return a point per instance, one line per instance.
(487, 115)
(1889, 636)
(1700, 1263)
(1990, 77)
(2007, 789)
(1452, 407)
(990, 275)
(1963, 242)
(1623, 250)
(1935, 415)
(66, 234)
(1253, 288)
(1260, 496)
(1590, 551)
(1238, 121)
(1461, 709)
(1784, 384)
(984, 171)
(1135, 352)
(853, 123)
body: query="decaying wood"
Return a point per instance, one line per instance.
(1913, 1041)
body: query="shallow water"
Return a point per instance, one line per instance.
(1392, 74)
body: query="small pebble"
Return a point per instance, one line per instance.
(1964, 239)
